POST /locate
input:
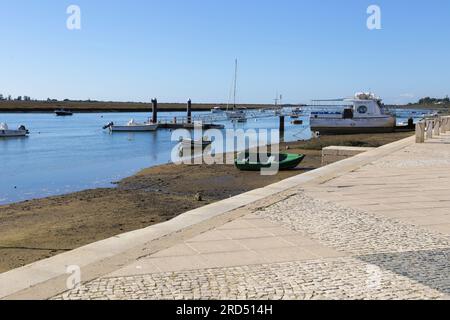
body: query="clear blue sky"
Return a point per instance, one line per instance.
(175, 50)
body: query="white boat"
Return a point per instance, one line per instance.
(236, 115)
(364, 113)
(5, 132)
(132, 126)
(190, 143)
(216, 110)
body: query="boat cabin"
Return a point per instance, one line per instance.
(362, 105)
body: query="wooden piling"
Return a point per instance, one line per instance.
(155, 110)
(282, 127)
(189, 111)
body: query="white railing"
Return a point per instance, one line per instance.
(431, 127)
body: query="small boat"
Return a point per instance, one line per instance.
(296, 113)
(5, 132)
(297, 122)
(246, 161)
(190, 143)
(236, 115)
(132, 126)
(216, 110)
(63, 113)
(240, 120)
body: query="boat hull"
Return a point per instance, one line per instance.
(143, 128)
(355, 125)
(12, 133)
(289, 161)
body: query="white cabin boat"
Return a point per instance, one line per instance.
(5, 132)
(364, 113)
(133, 126)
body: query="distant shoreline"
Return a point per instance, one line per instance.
(96, 107)
(110, 107)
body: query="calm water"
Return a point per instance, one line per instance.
(66, 154)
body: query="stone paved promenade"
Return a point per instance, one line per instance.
(380, 229)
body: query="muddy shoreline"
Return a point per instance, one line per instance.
(37, 229)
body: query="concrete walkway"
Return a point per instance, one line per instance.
(376, 226)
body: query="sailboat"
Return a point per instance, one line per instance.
(235, 114)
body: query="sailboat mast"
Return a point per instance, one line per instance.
(235, 83)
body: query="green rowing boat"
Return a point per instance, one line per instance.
(254, 162)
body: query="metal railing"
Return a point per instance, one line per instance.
(432, 127)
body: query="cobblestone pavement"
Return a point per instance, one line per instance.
(390, 260)
(350, 230)
(342, 278)
(379, 232)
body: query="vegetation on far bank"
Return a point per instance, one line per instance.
(101, 106)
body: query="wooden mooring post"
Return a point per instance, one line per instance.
(189, 111)
(155, 110)
(282, 127)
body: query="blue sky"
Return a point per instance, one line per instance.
(180, 49)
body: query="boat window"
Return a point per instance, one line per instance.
(362, 109)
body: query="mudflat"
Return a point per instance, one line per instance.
(37, 229)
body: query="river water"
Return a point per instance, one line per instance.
(67, 154)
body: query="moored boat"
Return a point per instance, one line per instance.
(216, 110)
(247, 161)
(132, 126)
(190, 143)
(63, 113)
(364, 113)
(236, 115)
(5, 132)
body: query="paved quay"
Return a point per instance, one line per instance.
(375, 226)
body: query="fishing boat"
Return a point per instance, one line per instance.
(132, 126)
(364, 113)
(63, 113)
(5, 132)
(247, 161)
